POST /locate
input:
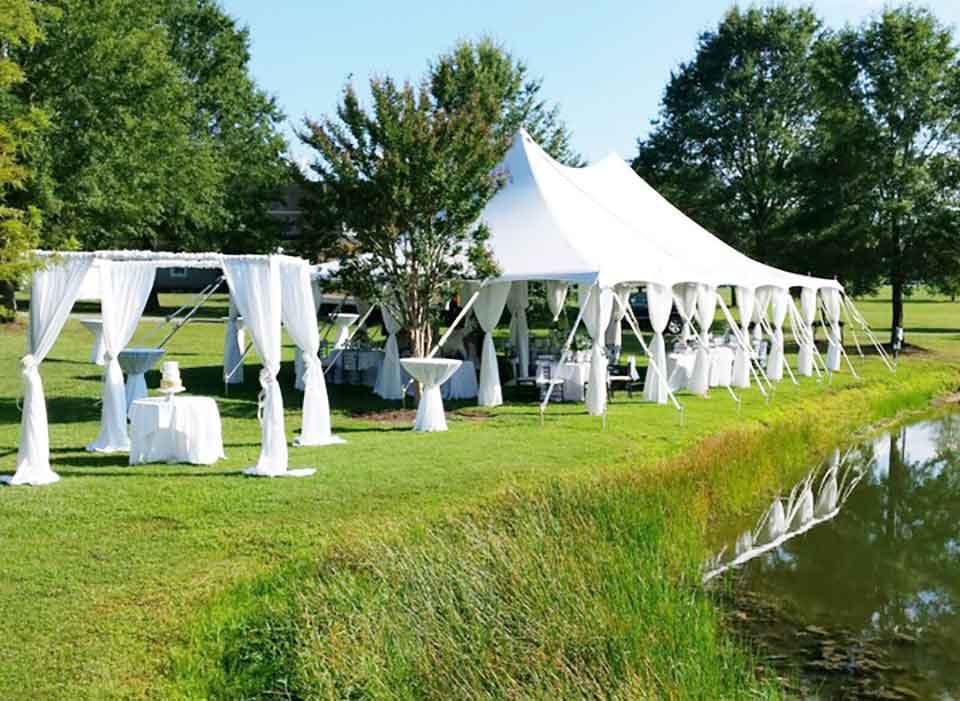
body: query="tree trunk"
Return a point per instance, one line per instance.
(897, 302)
(8, 302)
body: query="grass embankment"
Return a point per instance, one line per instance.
(108, 570)
(583, 588)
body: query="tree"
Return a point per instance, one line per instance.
(513, 97)
(405, 182)
(160, 136)
(732, 124)
(20, 124)
(882, 201)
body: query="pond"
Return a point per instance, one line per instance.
(850, 581)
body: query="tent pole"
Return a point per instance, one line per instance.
(631, 319)
(867, 330)
(456, 322)
(765, 325)
(170, 317)
(806, 333)
(196, 308)
(843, 351)
(566, 349)
(745, 345)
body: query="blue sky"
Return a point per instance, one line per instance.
(605, 63)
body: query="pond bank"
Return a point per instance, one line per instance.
(587, 586)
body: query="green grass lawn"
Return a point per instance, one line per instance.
(115, 578)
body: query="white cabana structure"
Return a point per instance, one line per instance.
(268, 291)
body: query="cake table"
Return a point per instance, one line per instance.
(136, 362)
(430, 373)
(95, 326)
(175, 429)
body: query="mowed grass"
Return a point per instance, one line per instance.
(162, 580)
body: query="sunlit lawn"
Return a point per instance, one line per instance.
(103, 570)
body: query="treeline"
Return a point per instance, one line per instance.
(132, 124)
(831, 151)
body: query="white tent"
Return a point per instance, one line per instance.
(602, 226)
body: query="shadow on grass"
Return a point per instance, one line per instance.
(60, 410)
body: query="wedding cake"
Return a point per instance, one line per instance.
(170, 376)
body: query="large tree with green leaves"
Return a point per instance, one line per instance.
(160, 138)
(21, 124)
(512, 96)
(882, 196)
(732, 124)
(403, 185)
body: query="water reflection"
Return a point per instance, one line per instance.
(877, 555)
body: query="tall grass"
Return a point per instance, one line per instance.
(581, 589)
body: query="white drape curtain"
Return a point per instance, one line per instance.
(659, 304)
(808, 312)
(831, 303)
(685, 297)
(596, 316)
(256, 286)
(298, 368)
(779, 299)
(706, 308)
(124, 288)
(488, 309)
(234, 340)
(299, 318)
(741, 362)
(54, 289)
(760, 305)
(517, 302)
(389, 383)
(614, 336)
(556, 297)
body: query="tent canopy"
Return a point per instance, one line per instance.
(603, 224)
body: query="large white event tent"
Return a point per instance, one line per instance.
(267, 290)
(603, 228)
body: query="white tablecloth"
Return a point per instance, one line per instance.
(721, 366)
(95, 326)
(182, 429)
(680, 366)
(461, 385)
(136, 362)
(431, 373)
(574, 374)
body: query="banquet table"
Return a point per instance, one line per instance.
(136, 362)
(177, 429)
(430, 373)
(95, 326)
(574, 374)
(680, 365)
(354, 364)
(461, 385)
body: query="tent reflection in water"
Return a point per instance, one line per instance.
(816, 499)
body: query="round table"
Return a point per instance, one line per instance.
(341, 322)
(175, 429)
(135, 362)
(721, 366)
(430, 373)
(95, 326)
(461, 385)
